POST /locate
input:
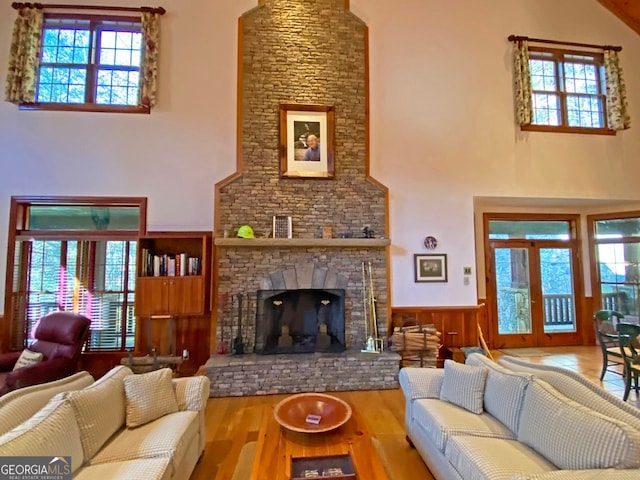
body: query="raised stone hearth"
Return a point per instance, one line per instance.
(312, 372)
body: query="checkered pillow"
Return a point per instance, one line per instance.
(149, 396)
(463, 385)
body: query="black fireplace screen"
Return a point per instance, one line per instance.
(300, 321)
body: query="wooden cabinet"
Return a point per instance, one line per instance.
(170, 295)
(174, 274)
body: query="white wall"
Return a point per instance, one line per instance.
(443, 130)
(442, 127)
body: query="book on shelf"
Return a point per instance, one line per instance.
(169, 265)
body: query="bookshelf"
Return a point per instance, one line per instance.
(173, 274)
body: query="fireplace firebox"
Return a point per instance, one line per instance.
(300, 321)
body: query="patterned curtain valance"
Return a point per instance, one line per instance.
(149, 67)
(24, 55)
(617, 105)
(522, 78)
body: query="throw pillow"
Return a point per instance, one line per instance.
(28, 358)
(149, 396)
(463, 385)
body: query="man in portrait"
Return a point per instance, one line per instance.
(312, 154)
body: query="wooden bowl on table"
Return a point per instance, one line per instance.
(294, 412)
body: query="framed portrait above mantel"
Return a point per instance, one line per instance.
(306, 141)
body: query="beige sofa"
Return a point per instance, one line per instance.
(522, 428)
(19, 405)
(90, 426)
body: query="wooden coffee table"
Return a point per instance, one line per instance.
(277, 445)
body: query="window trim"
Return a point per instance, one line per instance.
(17, 219)
(596, 281)
(84, 107)
(94, 27)
(558, 53)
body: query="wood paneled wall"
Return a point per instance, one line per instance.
(458, 325)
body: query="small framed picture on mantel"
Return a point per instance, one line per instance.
(306, 141)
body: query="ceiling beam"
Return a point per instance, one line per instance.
(626, 10)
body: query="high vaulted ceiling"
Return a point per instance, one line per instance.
(626, 10)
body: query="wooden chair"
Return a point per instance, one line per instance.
(605, 323)
(629, 341)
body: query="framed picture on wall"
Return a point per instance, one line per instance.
(430, 268)
(306, 141)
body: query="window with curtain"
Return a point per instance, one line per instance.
(78, 257)
(86, 62)
(90, 61)
(570, 91)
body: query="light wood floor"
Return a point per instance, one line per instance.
(232, 422)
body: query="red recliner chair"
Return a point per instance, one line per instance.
(60, 337)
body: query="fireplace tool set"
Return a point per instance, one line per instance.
(239, 344)
(374, 343)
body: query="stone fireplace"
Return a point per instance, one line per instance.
(288, 59)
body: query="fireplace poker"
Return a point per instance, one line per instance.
(374, 344)
(222, 346)
(238, 345)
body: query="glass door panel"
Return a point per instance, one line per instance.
(532, 266)
(559, 312)
(513, 291)
(619, 273)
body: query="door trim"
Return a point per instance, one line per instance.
(575, 243)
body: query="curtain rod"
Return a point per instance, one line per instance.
(50, 6)
(516, 38)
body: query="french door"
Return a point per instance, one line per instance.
(533, 287)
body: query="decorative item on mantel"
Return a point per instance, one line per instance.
(246, 231)
(282, 226)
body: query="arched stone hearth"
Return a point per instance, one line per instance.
(304, 275)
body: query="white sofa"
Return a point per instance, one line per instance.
(90, 426)
(524, 428)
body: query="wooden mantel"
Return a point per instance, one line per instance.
(303, 242)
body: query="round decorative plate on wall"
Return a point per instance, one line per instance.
(430, 243)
